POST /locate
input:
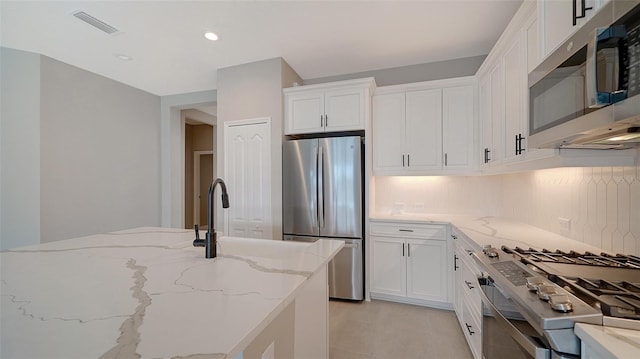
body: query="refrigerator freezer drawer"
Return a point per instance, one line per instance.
(346, 276)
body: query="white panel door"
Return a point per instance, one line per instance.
(389, 273)
(344, 110)
(423, 130)
(388, 132)
(426, 269)
(247, 158)
(304, 111)
(457, 126)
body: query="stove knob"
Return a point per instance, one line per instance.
(560, 303)
(545, 291)
(490, 252)
(533, 283)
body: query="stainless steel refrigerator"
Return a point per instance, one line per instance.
(323, 198)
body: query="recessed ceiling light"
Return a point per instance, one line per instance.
(211, 36)
(123, 57)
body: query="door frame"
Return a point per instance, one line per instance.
(196, 183)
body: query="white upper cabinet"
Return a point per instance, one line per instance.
(388, 131)
(515, 90)
(424, 128)
(458, 127)
(423, 132)
(330, 107)
(560, 18)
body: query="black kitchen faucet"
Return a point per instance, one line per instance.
(210, 238)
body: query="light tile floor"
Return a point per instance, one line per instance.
(387, 330)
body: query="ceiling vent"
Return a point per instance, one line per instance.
(99, 24)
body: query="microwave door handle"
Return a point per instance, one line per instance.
(591, 76)
(523, 341)
(597, 99)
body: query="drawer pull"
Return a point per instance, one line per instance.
(471, 332)
(406, 230)
(469, 284)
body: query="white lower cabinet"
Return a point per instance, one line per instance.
(410, 263)
(467, 301)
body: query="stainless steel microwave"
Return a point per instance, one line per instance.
(586, 94)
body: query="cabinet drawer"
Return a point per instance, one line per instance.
(469, 284)
(472, 330)
(409, 230)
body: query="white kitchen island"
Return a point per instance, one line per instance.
(149, 293)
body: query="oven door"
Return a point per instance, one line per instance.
(505, 332)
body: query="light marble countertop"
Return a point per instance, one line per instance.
(148, 292)
(608, 342)
(495, 231)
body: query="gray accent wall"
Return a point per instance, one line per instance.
(19, 148)
(467, 66)
(250, 91)
(100, 154)
(80, 152)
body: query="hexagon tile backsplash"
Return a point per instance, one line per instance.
(595, 205)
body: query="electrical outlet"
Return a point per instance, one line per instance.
(398, 207)
(565, 224)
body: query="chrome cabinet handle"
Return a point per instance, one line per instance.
(405, 230)
(455, 262)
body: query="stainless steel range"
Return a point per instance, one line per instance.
(609, 283)
(532, 299)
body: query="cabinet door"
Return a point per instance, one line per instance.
(484, 110)
(533, 42)
(514, 96)
(388, 132)
(247, 163)
(458, 127)
(558, 19)
(426, 269)
(497, 113)
(389, 273)
(458, 290)
(303, 112)
(423, 131)
(344, 110)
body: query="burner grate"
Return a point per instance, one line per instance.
(573, 257)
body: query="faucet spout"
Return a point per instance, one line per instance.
(210, 238)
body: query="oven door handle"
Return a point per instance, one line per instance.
(524, 341)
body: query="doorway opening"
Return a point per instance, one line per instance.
(199, 168)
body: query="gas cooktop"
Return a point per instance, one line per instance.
(606, 282)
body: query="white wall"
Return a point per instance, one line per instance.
(466, 66)
(602, 203)
(19, 148)
(251, 91)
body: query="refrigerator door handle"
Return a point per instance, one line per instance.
(320, 208)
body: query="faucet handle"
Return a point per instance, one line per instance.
(198, 242)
